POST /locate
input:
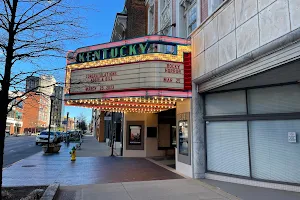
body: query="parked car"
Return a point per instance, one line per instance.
(43, 137)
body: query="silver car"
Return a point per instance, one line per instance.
(43, 137)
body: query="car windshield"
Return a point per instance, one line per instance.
(46, 133)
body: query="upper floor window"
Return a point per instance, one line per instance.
(187, 17)
(191, 19)
(213, 5)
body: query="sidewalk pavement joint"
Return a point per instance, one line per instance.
(127, 192)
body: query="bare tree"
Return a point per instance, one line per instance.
(31, 30)
(81, 124)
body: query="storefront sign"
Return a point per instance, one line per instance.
(145, 75)
(115, 52)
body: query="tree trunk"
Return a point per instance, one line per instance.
(3, 116)
(4, 98)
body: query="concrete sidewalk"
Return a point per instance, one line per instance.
(181, 189)
(41, 169)
(247, 192)
(92, 148)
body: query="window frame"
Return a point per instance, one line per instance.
(186, 14)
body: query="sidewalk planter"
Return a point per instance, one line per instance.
(53, 148)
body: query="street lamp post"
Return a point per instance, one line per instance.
(52, 97)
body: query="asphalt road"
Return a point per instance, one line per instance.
(17, 148)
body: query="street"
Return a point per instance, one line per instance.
(17, 148)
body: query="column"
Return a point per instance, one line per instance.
(198, 135)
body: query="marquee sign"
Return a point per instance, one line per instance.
(123, 51)
(114, 52)
(134, 76)
(146, 66)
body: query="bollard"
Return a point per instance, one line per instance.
(73, 154)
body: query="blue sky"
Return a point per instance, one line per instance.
(100, 21)
(99, 17)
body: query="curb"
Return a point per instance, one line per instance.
(50, 192)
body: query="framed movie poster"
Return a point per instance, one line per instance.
(135, 135)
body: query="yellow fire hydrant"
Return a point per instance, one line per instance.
(73, 154)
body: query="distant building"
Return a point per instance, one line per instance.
(71, 124)
(36, 112)
(37, 103)
(44, 84)
(58, 107)
(14, 122)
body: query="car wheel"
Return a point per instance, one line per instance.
(36, 143)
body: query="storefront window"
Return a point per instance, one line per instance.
(183, 138)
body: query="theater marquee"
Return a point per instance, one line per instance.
(144, 75)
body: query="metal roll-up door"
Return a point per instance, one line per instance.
(227, 103)
(280, 99)
(227, 148)
(273, 156)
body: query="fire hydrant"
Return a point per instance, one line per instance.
(73, 154)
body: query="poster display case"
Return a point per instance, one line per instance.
(184, 138)
(183, 146)
(135, 135)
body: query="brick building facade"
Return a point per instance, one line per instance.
(136, 18)
(36, 109)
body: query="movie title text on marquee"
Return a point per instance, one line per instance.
(152, 75)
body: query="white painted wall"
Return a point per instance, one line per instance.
(239, 27)
(152, 143)
(182, 167)
(183, 107)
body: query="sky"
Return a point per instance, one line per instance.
(100, 17)
(100, 21)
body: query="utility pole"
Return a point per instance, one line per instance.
(67, 139)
